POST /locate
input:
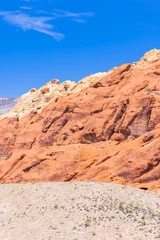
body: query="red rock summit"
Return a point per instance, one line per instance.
(104, 128)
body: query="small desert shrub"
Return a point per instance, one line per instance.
(94, 233)
(121, 207)
(87, 222)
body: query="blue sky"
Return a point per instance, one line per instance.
(67, 39)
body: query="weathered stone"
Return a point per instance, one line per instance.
(105, 128)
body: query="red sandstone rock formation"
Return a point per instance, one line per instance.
(105, 128)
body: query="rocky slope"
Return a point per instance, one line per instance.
(105, 128)
(6, 104)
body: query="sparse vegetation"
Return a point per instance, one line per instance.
(143, 220)
(121, 207)
(94, 233)
(120, 235)
(105, 213)
(88, 222)
(55, 206)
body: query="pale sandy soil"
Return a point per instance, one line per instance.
(78, 211)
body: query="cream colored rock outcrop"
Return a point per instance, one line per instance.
(36, 100)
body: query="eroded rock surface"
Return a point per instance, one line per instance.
(105, 128)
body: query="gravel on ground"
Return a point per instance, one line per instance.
(78, 211)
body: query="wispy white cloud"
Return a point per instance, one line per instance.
(30, 1)
(26, 8)
(29, 18)
(77, 17)
(79, 20)
(26, 22)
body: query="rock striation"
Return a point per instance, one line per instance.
(104, 128)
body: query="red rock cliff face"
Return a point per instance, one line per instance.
(106, 130)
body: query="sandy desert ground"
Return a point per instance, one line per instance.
(78, 211)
